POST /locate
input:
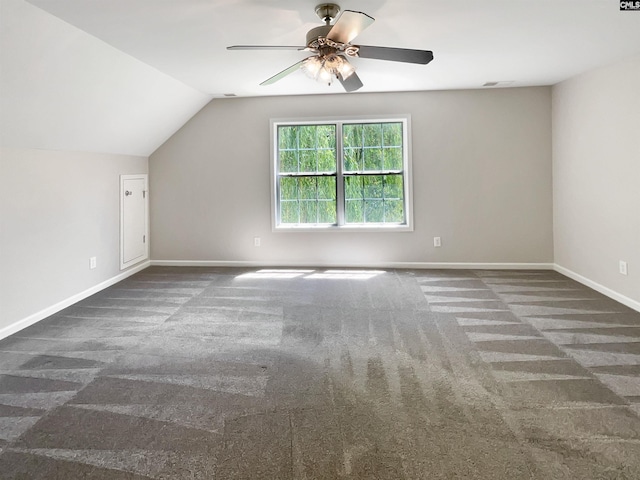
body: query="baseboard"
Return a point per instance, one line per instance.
(399, 265)
(618, 297)
(42, 314)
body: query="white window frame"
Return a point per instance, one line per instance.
(405, 119)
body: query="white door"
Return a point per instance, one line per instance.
(133, 219)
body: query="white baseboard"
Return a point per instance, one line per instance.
(402, 265)
(42, 314)
(618, 297)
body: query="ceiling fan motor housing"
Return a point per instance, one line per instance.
(315, 33)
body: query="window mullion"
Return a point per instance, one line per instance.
(340, 206)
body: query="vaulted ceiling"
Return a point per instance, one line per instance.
(122, 75)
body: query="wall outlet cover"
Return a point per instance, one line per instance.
(623, 267)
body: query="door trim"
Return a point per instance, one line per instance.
(123, 178)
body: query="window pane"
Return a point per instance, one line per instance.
(308, 211)
(393, 188)
(307, 200)
(307, 136)
(353, 188)
(307, 148)
(373, 159)
(392, 134)
(372, 186)
(307, 188)
(352, 135)
(327, 188)
(326, 136)
(326, 160)
(374, 199)
(287, 138)
(326, 211)
(308, 161)
(288, 188)
(372, 147)
(352, 159)
(372, 134)
(288, 161)
(392, 158)
(373, 211)
(289, 211)
(393, 211)
(354, 211)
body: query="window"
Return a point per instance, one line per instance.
(347, 174)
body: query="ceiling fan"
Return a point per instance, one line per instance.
(331, 47)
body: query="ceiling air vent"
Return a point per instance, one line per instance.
(504, 83)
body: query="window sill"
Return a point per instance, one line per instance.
(344, 228)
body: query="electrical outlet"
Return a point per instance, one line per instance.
(256, 241)
(93, 263)
(437, 242)
(623, 267)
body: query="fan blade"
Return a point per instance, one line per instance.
(349, 25)
(351, 83)
(395, 54)
(265, 47)
(283, 73)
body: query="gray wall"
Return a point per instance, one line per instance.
(596, 175)
(57, 209)
(482, 181)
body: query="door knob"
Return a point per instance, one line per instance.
(127, 193)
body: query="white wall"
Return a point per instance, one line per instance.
(596, 176)
(57, 209)
(482, 181)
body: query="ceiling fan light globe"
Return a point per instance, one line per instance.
(346, 69)
(325, 76)
(311, 66)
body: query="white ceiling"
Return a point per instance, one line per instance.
(529, 42)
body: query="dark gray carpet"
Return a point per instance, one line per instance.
(181, 373)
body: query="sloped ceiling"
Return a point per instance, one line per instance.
(123, 75)
(63, 89)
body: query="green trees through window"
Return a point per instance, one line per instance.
(307, 171)
(341, 173)
(373, 173)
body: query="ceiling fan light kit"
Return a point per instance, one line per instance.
(331, 45)
(327, 67)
